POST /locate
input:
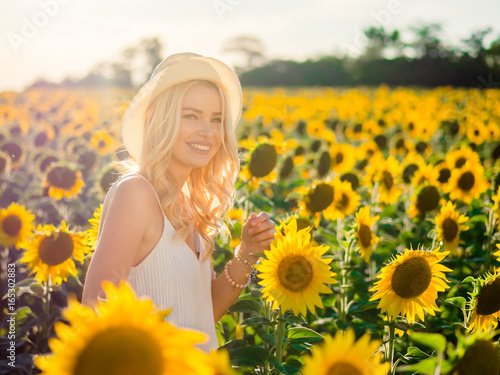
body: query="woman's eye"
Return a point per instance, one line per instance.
(217, 119)
(190, 116)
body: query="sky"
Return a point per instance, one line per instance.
(54, 39)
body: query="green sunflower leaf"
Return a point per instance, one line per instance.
(303, 334)
(456, 301)
(432, 340)
(246, 306)
(249, 356)
(427, 366)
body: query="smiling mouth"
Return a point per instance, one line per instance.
(200, 147)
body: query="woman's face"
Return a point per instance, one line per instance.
(201, 130)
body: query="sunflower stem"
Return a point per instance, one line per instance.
(46, 323)
(278, 340)
(390, 351)
(486, 244)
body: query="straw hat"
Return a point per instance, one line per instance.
(175, 69)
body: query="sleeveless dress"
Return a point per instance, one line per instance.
(173, 277)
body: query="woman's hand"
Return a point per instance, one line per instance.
(256, 235)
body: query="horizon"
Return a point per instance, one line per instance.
(67, 38)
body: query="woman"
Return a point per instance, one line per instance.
(158, 221)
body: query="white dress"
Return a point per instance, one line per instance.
(173, 277)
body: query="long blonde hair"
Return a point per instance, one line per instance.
(208, 191)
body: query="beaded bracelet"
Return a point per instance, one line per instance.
(233, 283)
(241, 259)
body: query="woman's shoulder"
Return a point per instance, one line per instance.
(131, 191)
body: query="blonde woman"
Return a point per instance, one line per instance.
(159, 219)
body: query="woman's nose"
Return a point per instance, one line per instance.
(205, 127)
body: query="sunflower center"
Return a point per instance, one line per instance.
(466, 181)
(411, 278)
(343, 202)
(295, 273)
(459, 163)
(408, 172)
(320, 198)
(62, 178)
(428, 199)
(488, 300)
(324, 164)
(287, 167)
(13, 150)
(41, 139)
(343, 368)
(339, 158)
(365, 235)
(11, 225)
(263, 160)
(56, 248)
(101, 144)
(444, 175)
(480, 358)
(450, 229)
(120, 350)
(387, 179)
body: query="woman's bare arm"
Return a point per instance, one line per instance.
(255, 239)
(122, 228)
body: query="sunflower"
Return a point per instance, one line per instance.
(293, 272)
(449, 225)
(474, 354)
(477, 132)
(15, 151)
(444, 173)
(16, 224)
(410, 283)
(91, 233)
(324, 164)
(52, 253)
(485, 303)
(346, 201)
(366, 238)
(218, 360)
(456, 159)
(410, 165)
(262, 163)
(467, 183)
(426, 174)
(63, 181)
(43, 137)
(107, 341)
(342, 158)
(496, 207)
(88, 160)
(108, 178)
(318, 199)
(342, 354)
(426, 200)
(497, 254)
(386, 173)
(102, 142)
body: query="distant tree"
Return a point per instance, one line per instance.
(474, 45)
(492, 55)
(152, 48)
(379, 40)
(428, 44)
(249, 48)
(121, 75)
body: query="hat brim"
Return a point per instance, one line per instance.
(203, 68)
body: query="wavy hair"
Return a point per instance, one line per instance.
(209, 191)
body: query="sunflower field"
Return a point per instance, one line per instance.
(386, 257)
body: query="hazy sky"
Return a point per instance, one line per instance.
(53, 39)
